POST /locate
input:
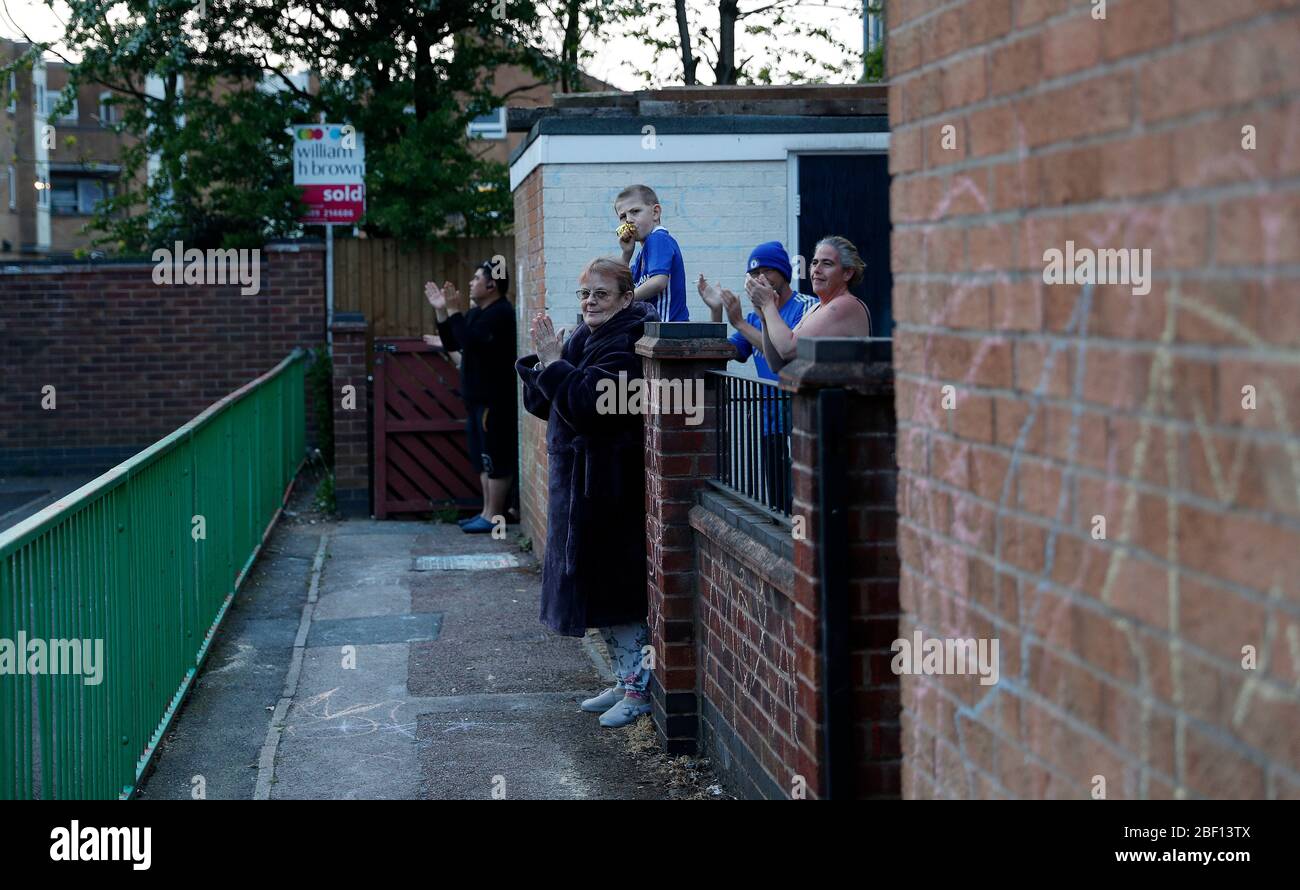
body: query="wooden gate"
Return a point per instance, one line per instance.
(421, 461)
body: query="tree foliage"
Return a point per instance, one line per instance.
(205, 90)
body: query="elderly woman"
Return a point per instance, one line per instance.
(835, 267)
(594, 574)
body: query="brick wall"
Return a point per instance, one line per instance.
(352, 434)
(130, 360)
(736, 601)
(861, 438)
(1122, 657)
(746, 616)
(530, 293)
(680, 456)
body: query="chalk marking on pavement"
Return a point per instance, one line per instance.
(266, 760)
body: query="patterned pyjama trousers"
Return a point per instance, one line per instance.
(625, 642)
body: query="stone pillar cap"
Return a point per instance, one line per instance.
(845, 349)
(862, 364)
(686, 340)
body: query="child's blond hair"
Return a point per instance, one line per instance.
(642, 193)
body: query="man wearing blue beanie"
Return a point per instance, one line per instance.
(769, 262)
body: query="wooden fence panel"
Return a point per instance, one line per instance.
(385, 282)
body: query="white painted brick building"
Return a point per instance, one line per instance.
(716, 210)
(727, 182)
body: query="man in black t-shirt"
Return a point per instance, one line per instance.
(486, 338)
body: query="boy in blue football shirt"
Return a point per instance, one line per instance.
(658, 273)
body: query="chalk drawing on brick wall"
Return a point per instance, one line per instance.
(746, 596)
(1160, 394)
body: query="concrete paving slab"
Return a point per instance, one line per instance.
(484, 690)
(375, 629)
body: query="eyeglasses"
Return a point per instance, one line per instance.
(601, 295)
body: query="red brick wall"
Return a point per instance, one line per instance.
(680, 456)
(868, 488)
(530, 296)
(130, 360)
(352, 438)
(1120, 658)
(746, 634)
(758, 609)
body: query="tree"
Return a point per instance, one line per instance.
(207, 92)
(769, 25)
(576, 25)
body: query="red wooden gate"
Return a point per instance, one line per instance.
(421, 462)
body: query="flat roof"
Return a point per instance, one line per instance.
(704, 110)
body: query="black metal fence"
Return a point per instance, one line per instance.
(753, 448)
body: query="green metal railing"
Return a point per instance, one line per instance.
(146, 558)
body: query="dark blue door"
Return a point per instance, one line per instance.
(849, 195)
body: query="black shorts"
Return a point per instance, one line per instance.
(492, 441)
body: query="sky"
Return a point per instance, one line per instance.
(617, 61)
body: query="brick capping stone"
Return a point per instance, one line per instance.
(771, 566)
(760, 523)
(703, 340)
(854, 363)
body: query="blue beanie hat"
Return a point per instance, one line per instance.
(770, 255)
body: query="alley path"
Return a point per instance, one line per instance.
(384, 681)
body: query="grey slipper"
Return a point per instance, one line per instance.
(602, 702)
(625, 712)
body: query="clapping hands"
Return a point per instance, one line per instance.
(437, 299)
(445, 297)
(731, 304)
(709, 293)
(760, 293)
(547, 342)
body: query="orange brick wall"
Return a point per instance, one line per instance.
(1121, 658)
(530, 294)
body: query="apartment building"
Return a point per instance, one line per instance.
(56, 168)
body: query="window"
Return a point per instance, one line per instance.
(73, 195)
(63, 195)
(13, 93)
(41, 107)
(106, 109)
(50, 100)
(12, 187)
(489, 126)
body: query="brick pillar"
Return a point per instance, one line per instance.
(351, 425)
(860, 375)
(679, 457)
